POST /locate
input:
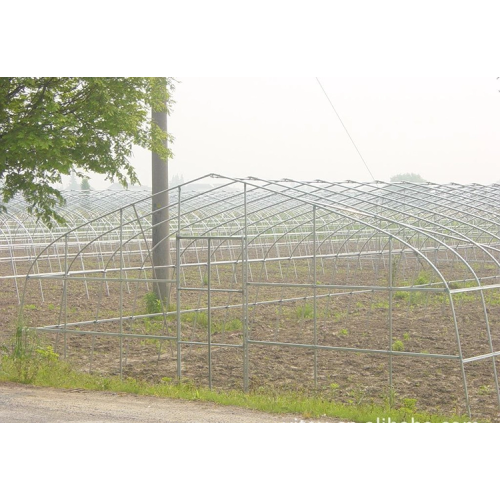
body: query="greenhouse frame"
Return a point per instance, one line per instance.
(352, 289)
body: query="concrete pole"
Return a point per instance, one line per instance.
(161, 244)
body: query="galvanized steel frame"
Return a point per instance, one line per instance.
(278, 221)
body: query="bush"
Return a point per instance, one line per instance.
(152, 303)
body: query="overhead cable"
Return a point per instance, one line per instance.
(347, 132)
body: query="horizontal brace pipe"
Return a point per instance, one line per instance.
(212, 344)
(107, 280)
(354, 349)
(105, 334)
(214, 308)
(350, 287)
(86, 271)
(181, 237)
(228, 290)
(475, 288)
(482, 356)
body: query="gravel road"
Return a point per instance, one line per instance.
(28, 404)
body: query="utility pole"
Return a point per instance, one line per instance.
(160, 219)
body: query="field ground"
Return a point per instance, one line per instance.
(421, 323)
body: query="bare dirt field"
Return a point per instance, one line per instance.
(356, 321)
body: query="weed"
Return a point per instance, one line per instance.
(305, 311)
(233, 325)
(197, 318)
(27, 355)
(146, 342)
(339, 315)
(344, 332)
(406, 336)
(423, 278)
(398, 345)
(200, 318)
(380, 305)
(152, 303)
(409, 404)
(152, 326)
(485, 389)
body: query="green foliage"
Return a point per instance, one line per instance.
(409, 404)
(398, 345)
(85, 185)
(401, 295)
(305, 311)
(152, 303)
(233, 325)
(55, 126)
(485, 389)
(27, 356)
(423, 278)
(200, 319)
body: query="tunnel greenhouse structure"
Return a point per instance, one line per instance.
(344, 288)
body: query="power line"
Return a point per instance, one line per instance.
(347, 132)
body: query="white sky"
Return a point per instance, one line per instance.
(445, 129)
(415, 82)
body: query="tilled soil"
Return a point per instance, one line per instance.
(350, 321)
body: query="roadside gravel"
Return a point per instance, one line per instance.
(29, 404)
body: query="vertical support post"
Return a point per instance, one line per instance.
(490, 343)
(121, 293)
(245, 293)
(460, 355)
(65, 295)
(390, 318)
(178, 285)
(160, 215)
(209, 311)
(315, 326)
(178, 281)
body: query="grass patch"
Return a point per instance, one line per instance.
(398, 345)
(305, 311)
(52, 372)
(152, 303)
(200, 319)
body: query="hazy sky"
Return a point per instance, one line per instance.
(445, 129)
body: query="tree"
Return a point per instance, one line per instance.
(177, 180)
(409, 177)
(73, 183)
(51, 126)
(85, 185)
